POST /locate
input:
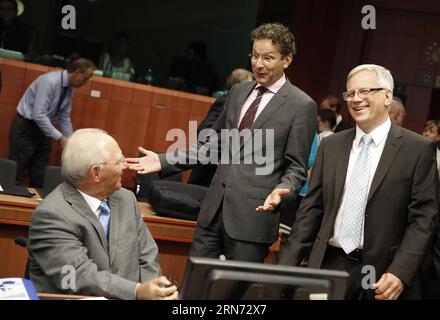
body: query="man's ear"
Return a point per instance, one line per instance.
(95, 173)
(388, 98)
(287, 60)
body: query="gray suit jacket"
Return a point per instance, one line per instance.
(401, 209)
(65, 234)
(291, 114)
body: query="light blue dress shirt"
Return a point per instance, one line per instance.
(40, 100)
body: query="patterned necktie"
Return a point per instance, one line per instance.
(356, 201)
(104, 216)
(250, 113)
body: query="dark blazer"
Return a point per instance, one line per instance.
(291, 114)
(436, 249)
(202, 175)
(400, 213)
(343, 125)
(65, 232)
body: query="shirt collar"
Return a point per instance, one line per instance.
(378, 134)
(276, 85)
(93, 202)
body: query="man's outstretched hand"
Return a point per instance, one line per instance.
(273, 200)
(147, 164)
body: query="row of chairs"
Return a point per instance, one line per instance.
(52, 176)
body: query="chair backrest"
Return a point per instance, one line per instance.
(52, 178)
(8, 171)
(23, 242)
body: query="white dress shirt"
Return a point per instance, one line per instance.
(93, 203)
(264, 99)
(379, 136)
(338, 120)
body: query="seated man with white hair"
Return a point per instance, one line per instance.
(88, 237)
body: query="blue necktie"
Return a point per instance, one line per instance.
(104, 216)
(356, 201)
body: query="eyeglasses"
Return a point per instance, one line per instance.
(266, 58)
(362, 93)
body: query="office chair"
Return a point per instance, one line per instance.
(52, 178)
(8, 171)
(23, 242)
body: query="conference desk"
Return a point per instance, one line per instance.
(173, 236)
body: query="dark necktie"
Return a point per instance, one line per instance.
(249, 116)
(62, 96)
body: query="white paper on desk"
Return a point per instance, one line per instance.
(17, 289)
(95, 298)
(1, 189)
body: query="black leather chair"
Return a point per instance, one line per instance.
(8, 171)
(52, 178)
(23, 242)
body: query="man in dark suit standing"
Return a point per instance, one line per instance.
(372, 201)
(239, 216)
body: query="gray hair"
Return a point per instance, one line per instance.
(384, 75)
(396, 106)
(84, 149)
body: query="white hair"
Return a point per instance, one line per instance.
(384, 75)
(84, 149)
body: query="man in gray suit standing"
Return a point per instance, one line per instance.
(88, 236)
(373, 201)
(240, 214)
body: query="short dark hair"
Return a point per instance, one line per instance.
(327, 115)
(334, 101)
(279, 34)
(80, 63)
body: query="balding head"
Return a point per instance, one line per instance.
(397, 113)
(239, 75)
(85, 148)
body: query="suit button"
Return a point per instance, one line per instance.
(223, 185)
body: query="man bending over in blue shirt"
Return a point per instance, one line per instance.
(47, 101)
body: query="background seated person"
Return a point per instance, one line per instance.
(15, 35)
(88, 236)
(326, 123)
(116, 63)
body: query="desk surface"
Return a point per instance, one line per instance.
(19, 209)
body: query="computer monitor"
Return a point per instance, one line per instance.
(213, 279)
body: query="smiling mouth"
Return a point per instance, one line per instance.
(357, 109)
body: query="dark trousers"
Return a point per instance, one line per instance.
(213, 241)
(30, 148)
(336, 259)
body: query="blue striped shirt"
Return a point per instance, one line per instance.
(40, 100)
